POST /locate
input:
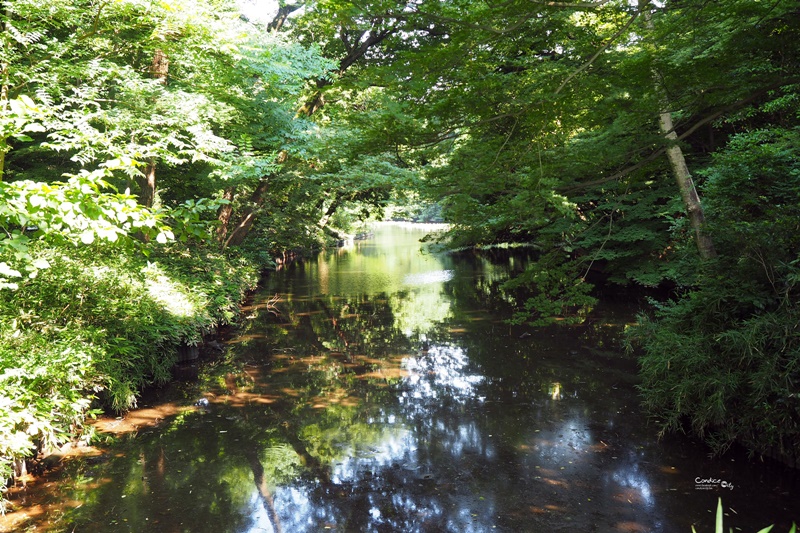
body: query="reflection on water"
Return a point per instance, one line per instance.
(386, 393)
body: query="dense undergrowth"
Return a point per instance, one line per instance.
(723, 358)
(506, 145)
(97, 326)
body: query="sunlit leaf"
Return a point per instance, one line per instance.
(87, 237)
(41, 263)
(7, 271)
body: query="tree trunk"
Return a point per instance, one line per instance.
(241, 230)
(4, 92)
(239, 233)
(3, 110)
(691, 200)
(159, 68)
(313, 104)
(147, 184)
(263, 489)
(224, 214)
(257, 199)
(330, 212)
(280, 17)
(356, 47)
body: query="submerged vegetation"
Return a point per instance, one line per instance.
(156, 155)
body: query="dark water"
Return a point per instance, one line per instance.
(383, 392)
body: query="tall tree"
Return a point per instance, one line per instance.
(348, 34)
(159, 69)
(550, 122)
(680, 170)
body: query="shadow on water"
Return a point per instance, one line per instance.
(384, 392)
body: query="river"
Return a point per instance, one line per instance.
(378, 388)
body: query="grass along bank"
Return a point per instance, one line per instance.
(97, 326)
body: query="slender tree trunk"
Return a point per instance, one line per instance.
(263, 489)
(313, 104)
(3, 110)
(248, 217)
(242, 229)
(2, 162)
(330, 212)
(147, 184)
(159, 69)
(691, 200)
(224, 214)
(4, 90)
(283, 13)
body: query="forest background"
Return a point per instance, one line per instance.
(157, 155)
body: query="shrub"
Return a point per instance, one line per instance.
(726, 356)
(102, 322)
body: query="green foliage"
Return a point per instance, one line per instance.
(718, 527)
(80, 211)
(725, 357)
(411, 209)
(101, 323)
(46, 395)
(637, 235)
(18, 117)
(99, 290)
(542, 129)
(513, 122)
(560, 294)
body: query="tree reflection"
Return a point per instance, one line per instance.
(399, 403)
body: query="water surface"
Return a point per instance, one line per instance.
(377, 388)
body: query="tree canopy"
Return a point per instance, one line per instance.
(648, 143)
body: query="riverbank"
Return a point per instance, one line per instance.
(386, 377)
(99, 325)
(96, 327)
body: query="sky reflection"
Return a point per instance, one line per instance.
(446, 432)
(440, 373)
(396, 402)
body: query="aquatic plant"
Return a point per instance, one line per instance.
(719, 527)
